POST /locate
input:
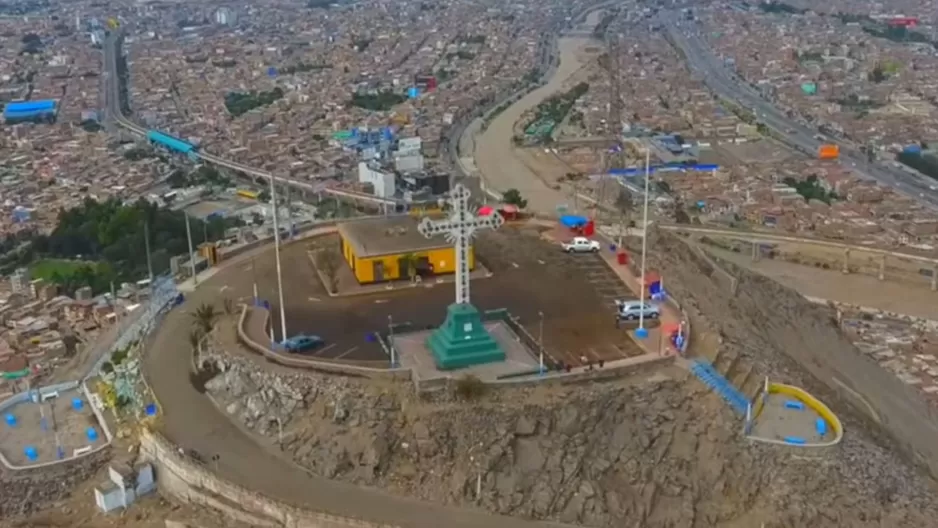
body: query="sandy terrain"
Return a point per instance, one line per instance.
(857, 289)
(495, 155)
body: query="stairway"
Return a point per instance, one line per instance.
(713, 379)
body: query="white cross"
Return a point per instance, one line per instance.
(459, 228)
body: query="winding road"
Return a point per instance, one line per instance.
(191, 420)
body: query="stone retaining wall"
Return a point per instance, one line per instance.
(189, 481)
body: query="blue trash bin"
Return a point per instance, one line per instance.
(92, 434)
(10, 420)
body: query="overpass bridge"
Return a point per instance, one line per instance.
(306, 189)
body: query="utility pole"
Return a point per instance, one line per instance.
(289, 213)
(146, 243)
(254, 280)
(540, 342)
(611, 156)
(195, 278)
(391, 340)
(641, 332)
(114, 305)
(283, 316)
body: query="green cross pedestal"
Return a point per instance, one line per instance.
(462, 340)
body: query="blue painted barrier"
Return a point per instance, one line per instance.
(794, 440)
(716, 382)
(794, 405)
(820, 426)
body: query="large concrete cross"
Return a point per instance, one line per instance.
(459, 228)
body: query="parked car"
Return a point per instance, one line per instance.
(633, 310)
(303, 343)
(581, 245)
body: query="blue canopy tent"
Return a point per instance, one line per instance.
(573, 221)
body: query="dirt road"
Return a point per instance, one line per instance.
(495, 157)
(856, 289)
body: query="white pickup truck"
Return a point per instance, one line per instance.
(581, 245)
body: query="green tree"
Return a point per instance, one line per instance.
(409, 263)
(513, 197)
(377, 102)
(108, 238)
(204, 317)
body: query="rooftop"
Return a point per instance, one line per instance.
(373, 237)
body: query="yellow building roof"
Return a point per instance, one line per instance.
(390, 235)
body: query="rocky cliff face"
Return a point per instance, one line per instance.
(655, 451)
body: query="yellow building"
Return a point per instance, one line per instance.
(384, 249)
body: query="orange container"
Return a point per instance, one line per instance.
(826, 152)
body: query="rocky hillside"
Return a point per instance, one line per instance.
(795, 341)
(656, 452)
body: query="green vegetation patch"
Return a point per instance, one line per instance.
(554, 110)
(238, 103)
(924, 163)
(811, 189)
(204, 175)
(100, 242)
(377, 102)
(71, 275)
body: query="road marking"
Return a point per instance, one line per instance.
(539, 261)
(515, 264)
(347, 352)
(381, 301)
(323, 349)
(873, 413)
(223, 288)
(313, 299)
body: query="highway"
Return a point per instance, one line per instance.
(115, 115)
(719, 79)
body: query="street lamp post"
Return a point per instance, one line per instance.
(391, 340)
(641, 332)
(283, 316)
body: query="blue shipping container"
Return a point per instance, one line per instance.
(29, 106)
(28, 116)
(169, 142)
(912, 149)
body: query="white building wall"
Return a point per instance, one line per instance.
(383, 183)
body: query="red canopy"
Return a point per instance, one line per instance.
(486, 210)
(651, 277)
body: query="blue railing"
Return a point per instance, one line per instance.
(720, 385)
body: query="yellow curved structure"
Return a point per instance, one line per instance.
(805, 397)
